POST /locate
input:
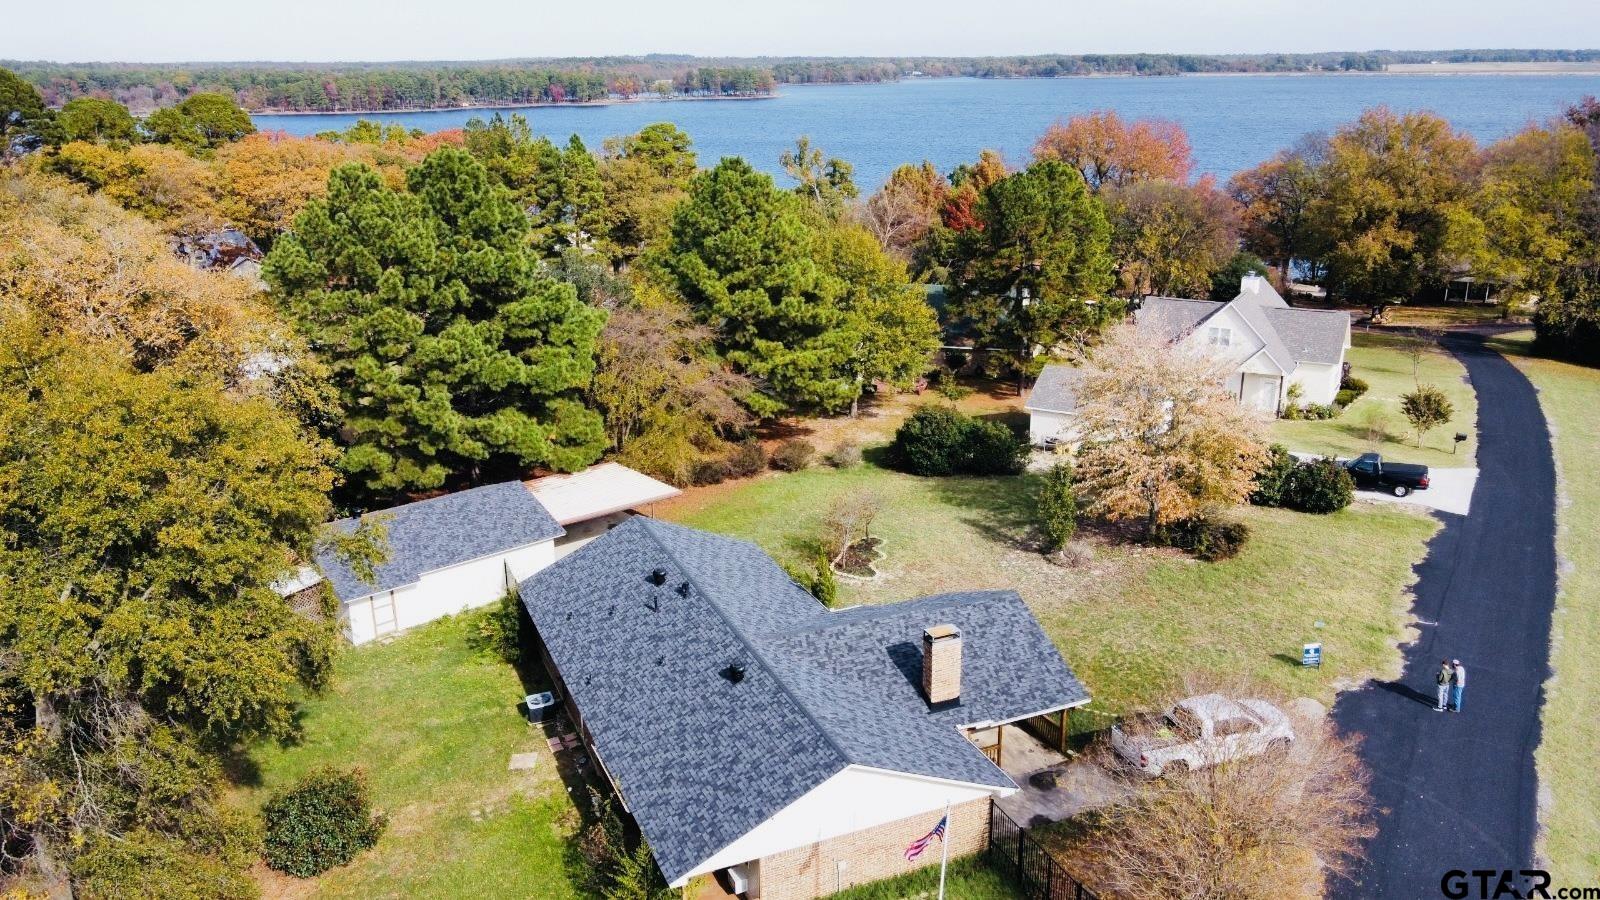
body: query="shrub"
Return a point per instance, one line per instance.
(845, 456)
(793, 455)
(749, 458)
(823, 585)
(321, 822)
(993, 449)
(498, 628)
(818, 581)
(1345, 397)
(938, 440)
(1058, 507)
(1215, 541)
(1272, 480)
(710, 470)
(951, 389)
(1353, 384)
(1319, 411)
(1208, 539)
(1319, 486)
(931, 441)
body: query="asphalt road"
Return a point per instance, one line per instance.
(1457, 791)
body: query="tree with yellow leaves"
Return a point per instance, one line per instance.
(1163, 440)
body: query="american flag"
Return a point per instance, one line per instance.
(921, 843)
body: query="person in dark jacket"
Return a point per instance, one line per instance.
(1446, 677)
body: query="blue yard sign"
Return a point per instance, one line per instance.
(1311, 655)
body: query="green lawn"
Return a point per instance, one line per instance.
(1568, 777)
(1133, 621)
(1389, 373)
(434, 723)
(967, 879)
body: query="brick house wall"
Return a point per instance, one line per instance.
(874, 854)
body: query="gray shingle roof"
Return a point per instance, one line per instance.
(1291, 335)
(443, 531)
(1173, 317)
(1056, 390)
(701, 759)
(1312, 335)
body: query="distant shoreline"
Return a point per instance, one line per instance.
(1402, 69)
(468, 107)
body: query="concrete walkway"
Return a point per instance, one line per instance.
(1458, 790)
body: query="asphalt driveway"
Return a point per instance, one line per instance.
(1457, 791)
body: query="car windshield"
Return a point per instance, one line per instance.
(1183, 722)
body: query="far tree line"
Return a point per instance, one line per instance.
(414, 85)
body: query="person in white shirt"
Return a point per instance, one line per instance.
(1458, 685)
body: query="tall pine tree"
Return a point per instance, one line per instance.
(744, 256)
(452, 349)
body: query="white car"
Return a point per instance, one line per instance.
(1202, 731)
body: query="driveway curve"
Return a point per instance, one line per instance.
(1458, 791)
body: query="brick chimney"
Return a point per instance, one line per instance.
(941, 664)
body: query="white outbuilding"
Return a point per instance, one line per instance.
(464, 550)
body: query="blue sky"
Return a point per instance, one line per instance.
(169, 30)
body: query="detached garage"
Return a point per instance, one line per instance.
(446, 554)
(465, 550)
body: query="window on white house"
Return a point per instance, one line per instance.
(1219, 337)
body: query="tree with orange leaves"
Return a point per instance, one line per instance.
(1109, 151)
(267, 179)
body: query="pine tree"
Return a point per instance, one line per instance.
(450, 346)
(745, 257)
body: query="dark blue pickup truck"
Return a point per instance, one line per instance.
(1371, 472)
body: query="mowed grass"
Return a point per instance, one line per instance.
(1568, 775)
(433, 723)
(1389, 372)
(1133, 621)
(967, 879)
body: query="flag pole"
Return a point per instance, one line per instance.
(944, 857)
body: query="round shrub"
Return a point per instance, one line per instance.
(846, 455)
(993, 449)
(321, 822)
(1220, 540)
(748, 459)
(710, 470)
(1319, 486)
(932, 441)
(1208, 539)
(1273, 479)
(793, 455)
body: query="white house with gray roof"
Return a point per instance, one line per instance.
(459, 551)
(752, 732)
(1272, 346)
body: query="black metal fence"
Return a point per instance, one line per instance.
(1020, 857)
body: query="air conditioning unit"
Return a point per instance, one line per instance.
(541, 707)
(738, 879)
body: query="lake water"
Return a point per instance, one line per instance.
(1233, 121)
